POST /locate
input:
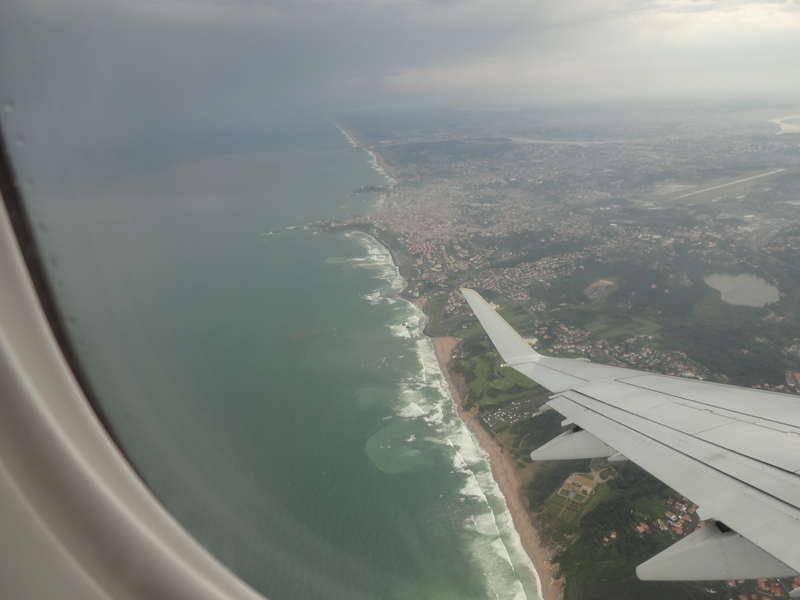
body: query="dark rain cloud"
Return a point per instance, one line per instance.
(128, 75)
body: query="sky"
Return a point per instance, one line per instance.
(137, 70)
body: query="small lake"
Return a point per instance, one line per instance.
(743, 290)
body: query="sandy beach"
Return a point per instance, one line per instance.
(359, 141)
(501, 464)
(507, 480)
(502, 468)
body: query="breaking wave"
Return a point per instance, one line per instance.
(426, 432)
(488, 530)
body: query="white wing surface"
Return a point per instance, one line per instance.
(734, 451)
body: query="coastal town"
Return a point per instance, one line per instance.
(525, 221)
(602, 246)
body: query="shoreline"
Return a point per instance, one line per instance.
(359, 142)
(500, 463)
(505, 476)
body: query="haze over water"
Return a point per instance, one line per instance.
(275, 396)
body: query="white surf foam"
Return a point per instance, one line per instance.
(485, 524)
(424, 395)
(400, 331)
(412, 411)
(373, 159)
(345, 134)
(379, 260)
(502, 551)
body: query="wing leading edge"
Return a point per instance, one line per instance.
(734, 451)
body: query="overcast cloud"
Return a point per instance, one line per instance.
(132, 70)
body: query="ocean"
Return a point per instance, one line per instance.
(267, 384)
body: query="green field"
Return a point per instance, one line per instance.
(491, 384)
(607, 327)
(601, 492)
(601, 464)
(563, 509)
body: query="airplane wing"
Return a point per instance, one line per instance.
(734, 451)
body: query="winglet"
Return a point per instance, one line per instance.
(508, 342)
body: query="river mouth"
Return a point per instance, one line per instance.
(743, 290)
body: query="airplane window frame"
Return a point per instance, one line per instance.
(76, 519)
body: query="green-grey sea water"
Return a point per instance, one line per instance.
(269, 388)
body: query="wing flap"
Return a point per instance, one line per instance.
(745, 435)
(766, 478)
(764, 444)
(782, 410)
(573, 445)
(769, 522)
(710, 553)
